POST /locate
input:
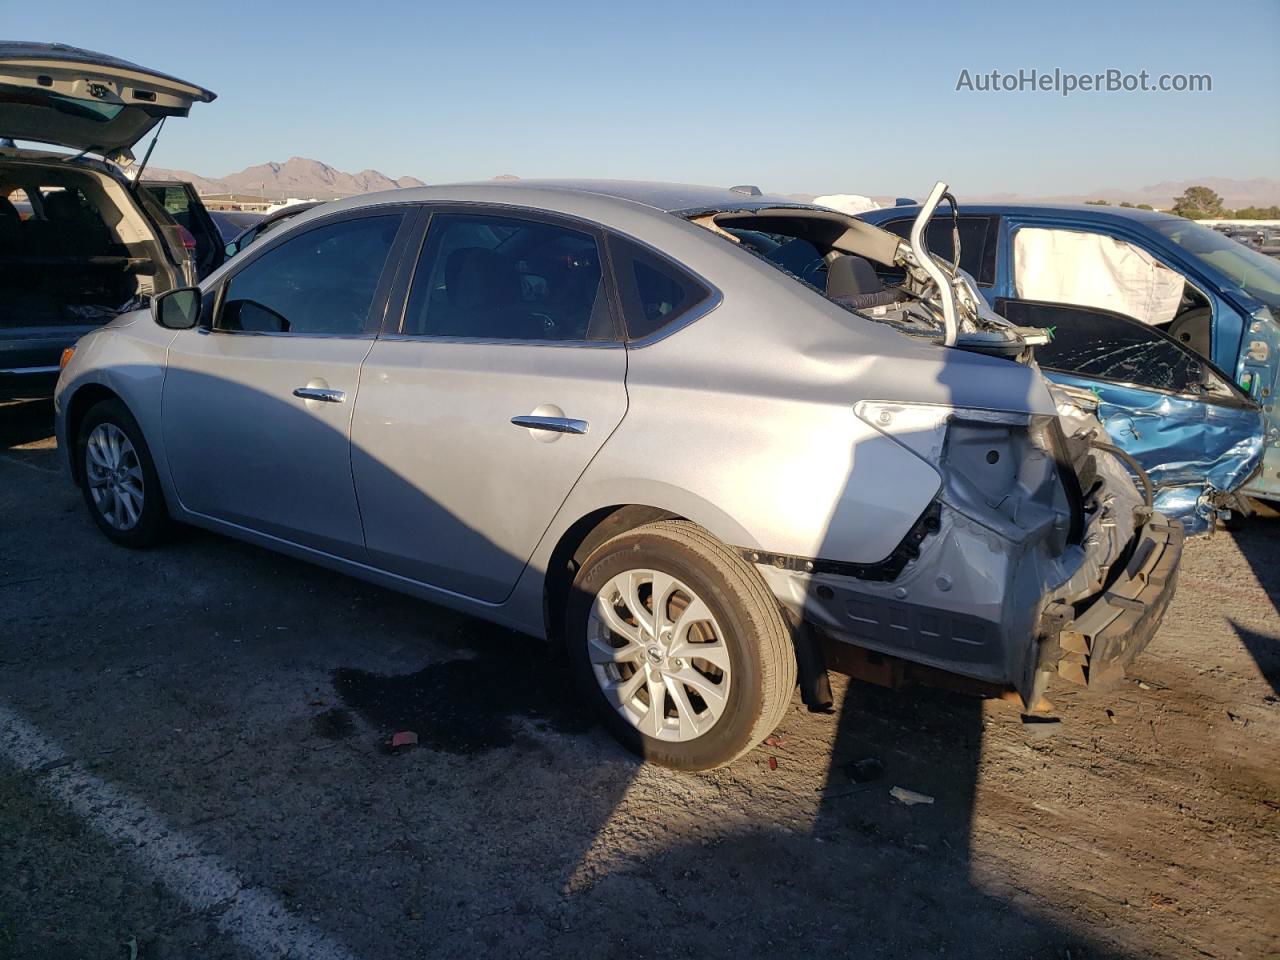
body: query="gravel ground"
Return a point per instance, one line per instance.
(231, 705)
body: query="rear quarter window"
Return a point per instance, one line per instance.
(655, 292)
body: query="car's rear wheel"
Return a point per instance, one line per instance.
(119, 477)
(679, 645)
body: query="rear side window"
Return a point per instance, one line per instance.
(978, 240)
(505, 278)
(175, 201)
(321, 282)
(655, 292)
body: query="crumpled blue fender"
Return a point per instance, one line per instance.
(1189, 447)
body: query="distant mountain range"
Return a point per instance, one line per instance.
(1259, 192)
(297, 177)
(300, 177)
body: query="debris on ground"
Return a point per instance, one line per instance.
(864, 771)
(776, 741)
(773, 763)
(1041, 727)
(1111, 715)
(405, 738)
(133, 948)
(909, 797)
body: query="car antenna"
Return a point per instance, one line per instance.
(137, 177)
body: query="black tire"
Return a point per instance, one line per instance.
(758, 642)
(153, 523)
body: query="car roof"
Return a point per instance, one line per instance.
(667, 197)
(1074, 211)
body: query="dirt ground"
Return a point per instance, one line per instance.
(228, 704)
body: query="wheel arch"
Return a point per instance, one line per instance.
(576, 544)
(84, 399)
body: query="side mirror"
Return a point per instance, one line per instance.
(177, 309)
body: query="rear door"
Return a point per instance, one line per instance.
(486, 397)
(257, 404)
(183, 204)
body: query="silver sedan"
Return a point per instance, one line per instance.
(711, 440)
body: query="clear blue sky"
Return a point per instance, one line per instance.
(797, 97)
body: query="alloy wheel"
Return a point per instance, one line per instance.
(659, 655)
(114, 475)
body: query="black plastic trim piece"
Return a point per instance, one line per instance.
(884, 570)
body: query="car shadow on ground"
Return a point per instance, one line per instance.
(502, 830)
(1256, 537)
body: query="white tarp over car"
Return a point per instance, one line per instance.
(1093, 270)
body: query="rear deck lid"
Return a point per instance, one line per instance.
(75, 98)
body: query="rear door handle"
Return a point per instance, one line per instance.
(552, 424)
(320, 393)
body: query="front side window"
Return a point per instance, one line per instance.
(321, 282)
(504, 278)
(1095, 270)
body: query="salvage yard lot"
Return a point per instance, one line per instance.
(192, 759)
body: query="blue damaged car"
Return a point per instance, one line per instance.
(1172, 326)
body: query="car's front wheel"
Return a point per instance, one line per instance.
(680, 645)
(119, 477)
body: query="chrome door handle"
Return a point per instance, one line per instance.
(320, 393)
(552, 424)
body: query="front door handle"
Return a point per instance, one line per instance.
(323, 394)
(552, 424)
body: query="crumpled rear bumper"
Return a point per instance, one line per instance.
(1094, 642)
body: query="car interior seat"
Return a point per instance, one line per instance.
(852, 281)
(485, 298)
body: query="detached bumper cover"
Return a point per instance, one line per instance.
(1095, 645)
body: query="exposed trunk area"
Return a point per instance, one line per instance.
(74, 250)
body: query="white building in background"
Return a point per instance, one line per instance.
(280, 205)
(850, 203)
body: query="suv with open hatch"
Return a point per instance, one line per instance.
(79, 241)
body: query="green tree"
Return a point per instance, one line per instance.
(1198, 203)
(1126, 203)
(1257, 213)
(1145, 206)
(1097, 203)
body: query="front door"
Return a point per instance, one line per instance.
(257, 404)
(1187, 425)
(487, 399)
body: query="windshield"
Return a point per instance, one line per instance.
(1255, 273)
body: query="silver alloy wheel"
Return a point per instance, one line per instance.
(114, 475)
(659, 655)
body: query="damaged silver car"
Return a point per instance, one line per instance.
(684, 430)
